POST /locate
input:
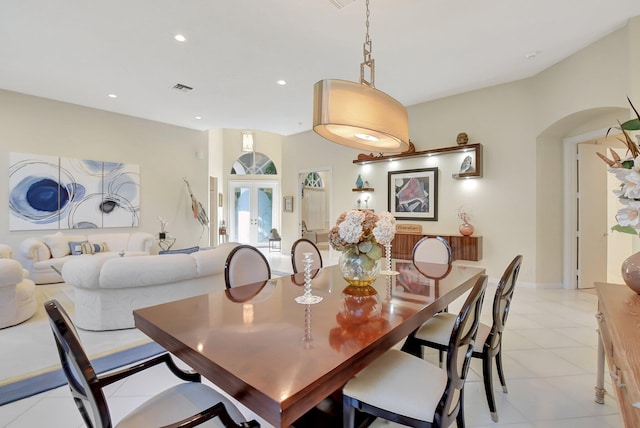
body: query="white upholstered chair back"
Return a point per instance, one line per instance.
(245, 265)
(298, 249)
(432, 250)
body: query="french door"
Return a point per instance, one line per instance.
(254, 211)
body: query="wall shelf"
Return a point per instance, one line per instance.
(474, 150)
(362, 189)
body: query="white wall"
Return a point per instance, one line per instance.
(165, 154)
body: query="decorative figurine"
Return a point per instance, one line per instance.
(462, 139)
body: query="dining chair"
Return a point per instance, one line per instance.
(435, 332)
(245, 265)
(408, 390)
(187, 404)
(298, 249)
(432, 250)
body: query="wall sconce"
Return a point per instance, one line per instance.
(247, 141)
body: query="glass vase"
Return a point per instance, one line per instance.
(358, 269)
(631, 272)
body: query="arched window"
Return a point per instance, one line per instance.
(254, 163)
(313, 179)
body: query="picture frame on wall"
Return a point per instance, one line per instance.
(288, 204)
(413, 194)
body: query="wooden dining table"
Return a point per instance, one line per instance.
(281, 358)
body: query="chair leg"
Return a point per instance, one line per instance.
(348, 413)
(460, 417)
(412, 346)
(488, 385)
(500, 373)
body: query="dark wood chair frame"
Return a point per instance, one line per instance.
(87, 387)
(492, 348)
(459, 342)
(293, 252)
(233, 253)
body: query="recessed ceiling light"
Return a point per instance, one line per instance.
(198, 117)
(180, 38)
(281, 82)
(112, 96)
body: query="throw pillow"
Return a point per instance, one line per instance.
(180, 251)
(76, 247)
(58, 244)
(100, 248)
(86, 248)
(90, 248)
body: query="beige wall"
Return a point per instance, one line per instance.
(499, 203)
(518, 206)
(165, 154)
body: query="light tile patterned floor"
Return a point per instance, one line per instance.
(549, 358)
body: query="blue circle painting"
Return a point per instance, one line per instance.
(42, 195)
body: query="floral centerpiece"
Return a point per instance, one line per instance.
(627, 170)
(358, 235)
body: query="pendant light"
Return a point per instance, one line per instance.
(247, 141)
(358, 115)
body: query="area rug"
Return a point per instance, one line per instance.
(30, 358)
(46, 381)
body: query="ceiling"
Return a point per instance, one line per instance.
(80, 51)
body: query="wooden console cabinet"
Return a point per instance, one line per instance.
(619, 339)
(462, 247)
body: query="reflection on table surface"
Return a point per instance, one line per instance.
(265, 349)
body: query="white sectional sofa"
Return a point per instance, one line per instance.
(40, 255)
(108, 289)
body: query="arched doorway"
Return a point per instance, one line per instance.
(560, 234)
(254, 200)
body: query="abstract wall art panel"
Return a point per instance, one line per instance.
(82, 180)
(46, 192)
(34, 192)
(120, 206)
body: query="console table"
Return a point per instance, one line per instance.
(619, 339)
(462, 247)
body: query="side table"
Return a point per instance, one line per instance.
(275, 244)
(166, 243)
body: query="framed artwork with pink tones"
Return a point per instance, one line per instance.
(413, 194)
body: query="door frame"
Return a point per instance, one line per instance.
(571, 205)
(298, 203)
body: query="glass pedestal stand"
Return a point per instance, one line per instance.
(307, 338)
(387, 270)
(307, 298)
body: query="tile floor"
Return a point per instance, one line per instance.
(549, 363)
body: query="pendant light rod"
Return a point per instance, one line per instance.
(369, 62)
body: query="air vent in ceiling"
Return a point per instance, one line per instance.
(341, 3)
(182, 88)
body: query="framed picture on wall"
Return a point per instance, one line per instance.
(288, 204)
(413, 194)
